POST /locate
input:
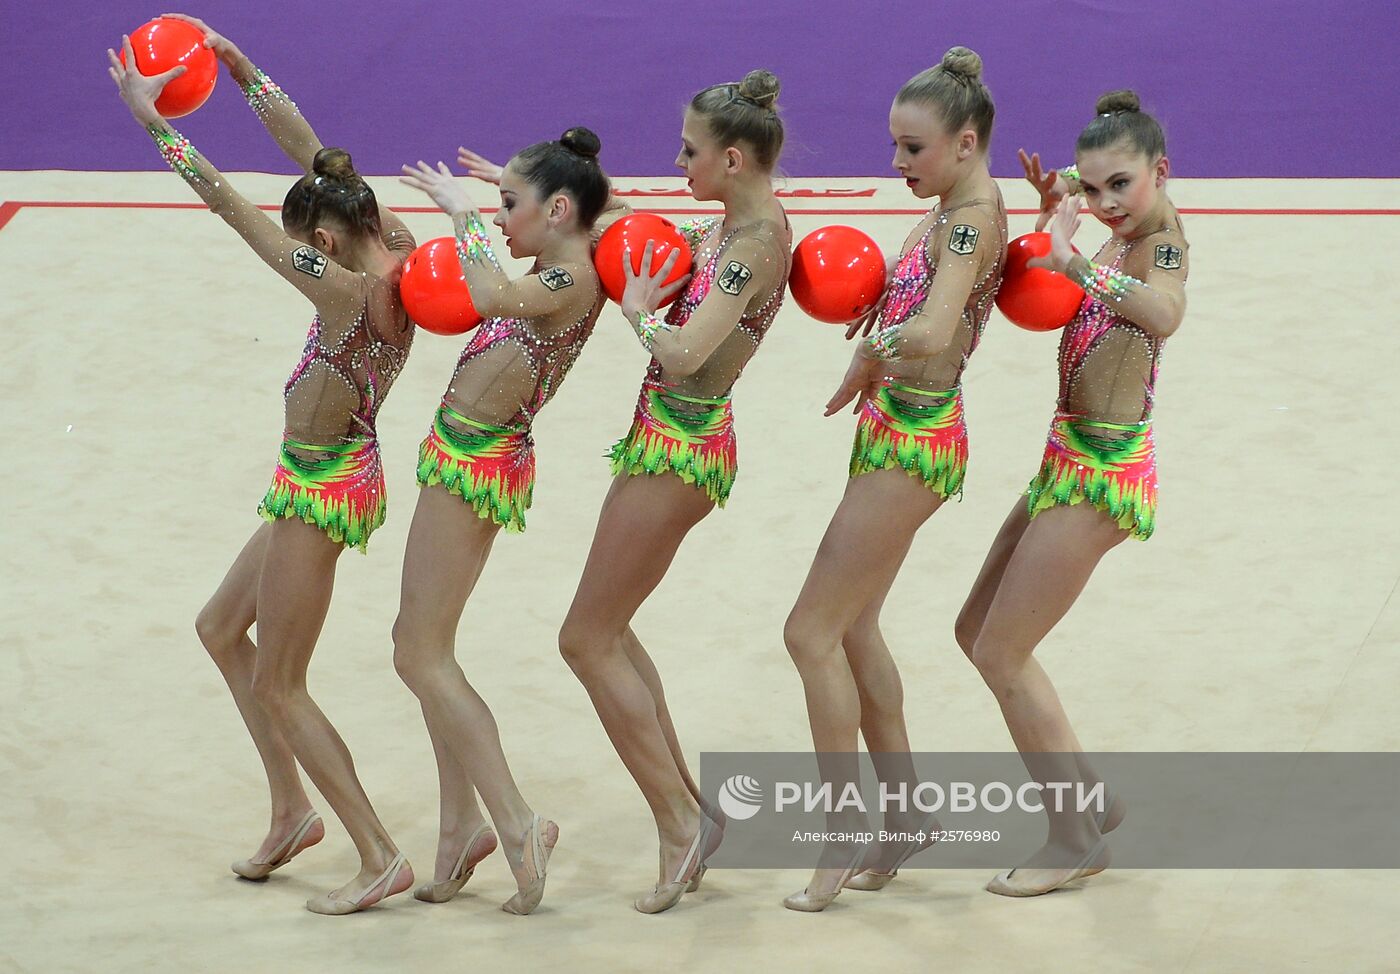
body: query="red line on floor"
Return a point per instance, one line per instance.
(8, 209)
(7, 212)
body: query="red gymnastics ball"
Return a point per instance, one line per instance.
(434, 289)
(632, 233)
(838, 273)
(1034, 298)
(162, 44)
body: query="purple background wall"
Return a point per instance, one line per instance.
(1244, 87)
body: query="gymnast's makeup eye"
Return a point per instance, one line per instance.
(1120, 183)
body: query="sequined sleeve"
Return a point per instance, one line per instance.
(310, 271)
(474, 243)
(884, 344)
(648, 325)
(265, 96)
(279, 115)
(696, 229)
(1155, 300)
(965, 246)
(183, 159)
(746, 274)
(295, 136)
(1100, 281)
(569, 288)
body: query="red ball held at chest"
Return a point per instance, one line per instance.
(434, 289)
(1034, 298)
(632, 233)
(162, 44)
(838, 273)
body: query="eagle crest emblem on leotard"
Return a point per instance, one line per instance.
(963, 239)
(309, 260)
(555, 278)
(734, 277)
(1168, 257)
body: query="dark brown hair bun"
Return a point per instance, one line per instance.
(1124, 100)
(333, 163)
(582, 141)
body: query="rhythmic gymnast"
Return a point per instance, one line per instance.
(344, 253)
(1097, 483)
(910, 451)
(678, 460)
(477, 473)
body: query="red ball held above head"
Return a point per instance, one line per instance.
(838, 273)
(1034, 298)
(434, 290)
(632, 233)
(160, 45)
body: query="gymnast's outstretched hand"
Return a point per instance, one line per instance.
(863, 325)
(1049, 185)
(440, 185)
(862, 379)
(644, 292)
(478, 166)
(1063, 225)
(224, 49)
(139, 91)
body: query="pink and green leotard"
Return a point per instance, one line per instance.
(1100, 449)
(686, 427)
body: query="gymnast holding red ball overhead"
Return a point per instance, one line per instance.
(343, 252)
